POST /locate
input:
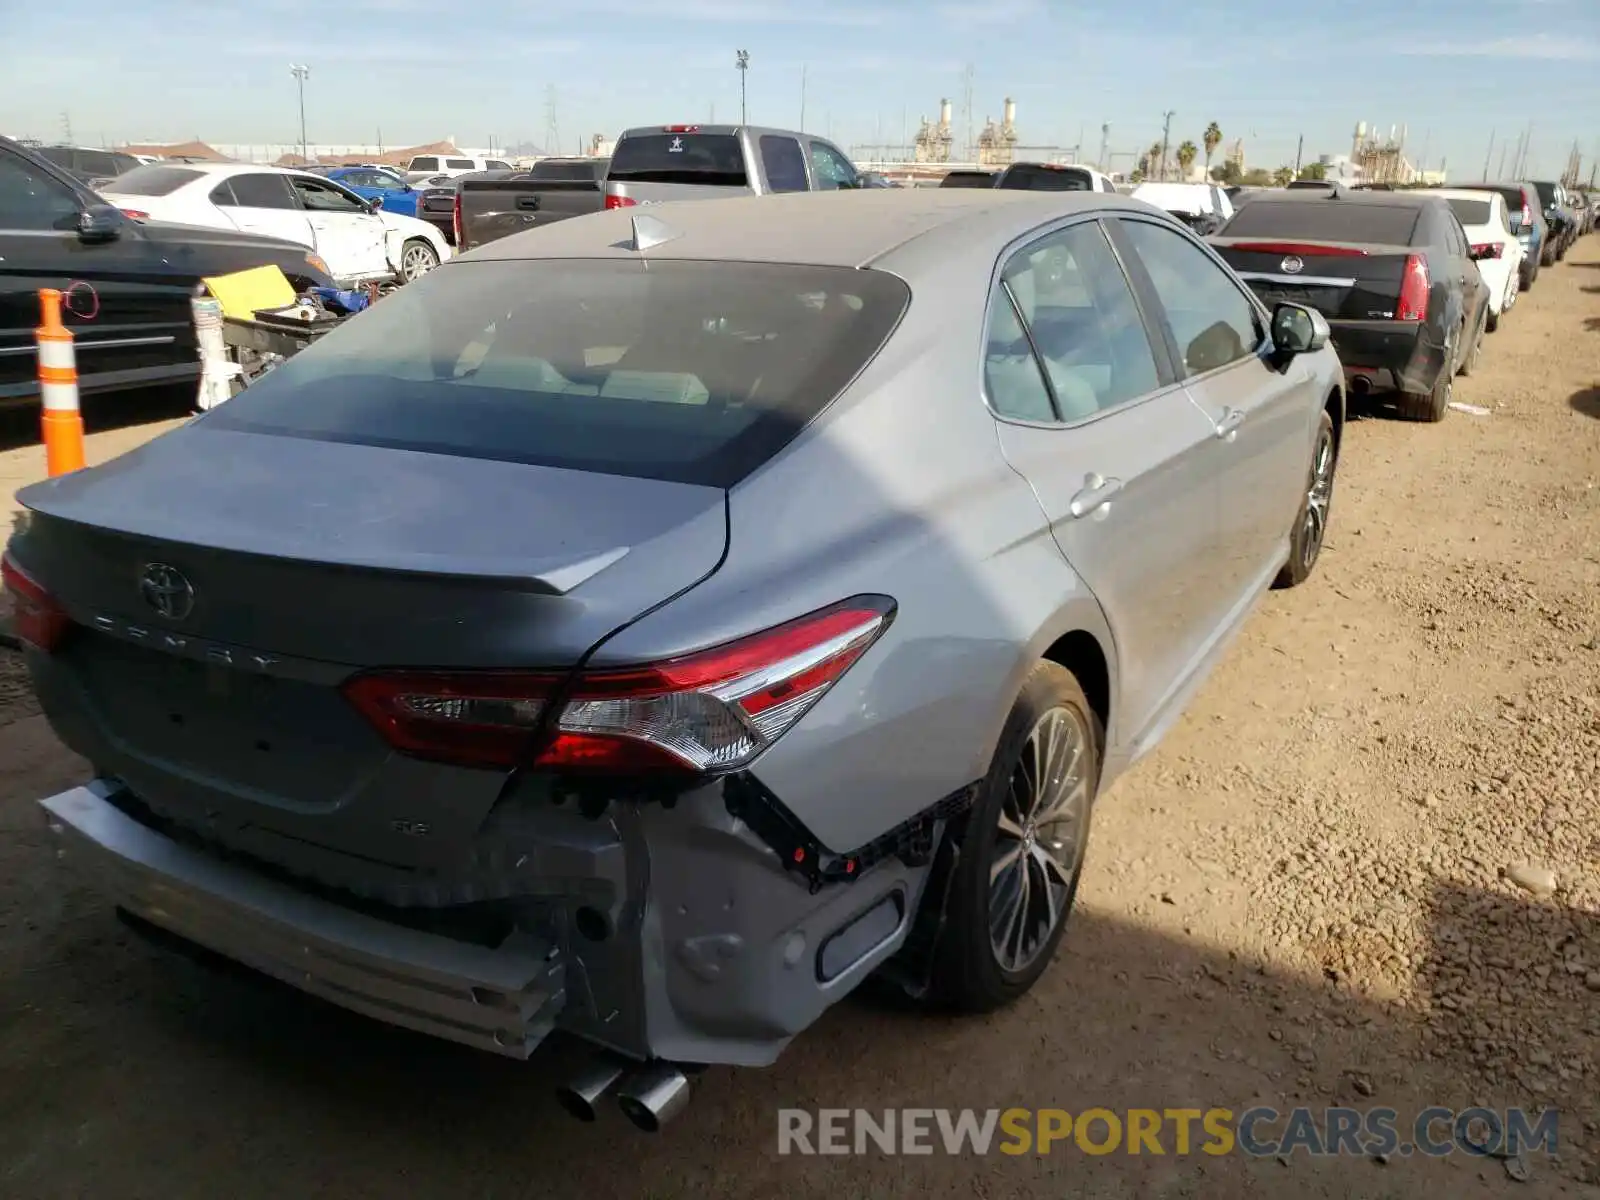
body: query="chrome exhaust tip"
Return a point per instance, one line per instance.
(580, 1096)
(653, 1095)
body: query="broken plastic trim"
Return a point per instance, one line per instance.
(802, 852)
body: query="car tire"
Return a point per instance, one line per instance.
(1429, 406)
(999, 936)
(417, 258)
(1311, 521)
(1491, 322)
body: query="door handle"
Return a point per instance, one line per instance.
(1095, 494)
(528, 202)
(1228, 424)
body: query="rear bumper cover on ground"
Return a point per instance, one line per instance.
(504, 1000)
(1390, 354)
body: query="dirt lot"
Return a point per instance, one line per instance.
(1301, 898)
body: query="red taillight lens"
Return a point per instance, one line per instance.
(35, 615)
(710, 711)
(455, 220)
(1527, 216)
(620, 202)
(1414, 287)
(681, 128)
(1488, 250)
(136, 214)
(1300, 249)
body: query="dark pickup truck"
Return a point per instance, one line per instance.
(552, 190)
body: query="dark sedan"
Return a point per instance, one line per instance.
(1392, 271)
(127, 283)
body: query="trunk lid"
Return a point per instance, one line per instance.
(1351, 281)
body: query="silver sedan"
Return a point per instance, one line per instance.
(652, 626)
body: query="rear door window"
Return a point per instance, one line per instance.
(1327, 221)
(154, 181)
(713, 159)
(494, 164)
(784, 163)
(459, 164)
(262, 191)
(691, 371)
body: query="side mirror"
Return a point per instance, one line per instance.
(99, 223)
(374, 204)
(1298, 330)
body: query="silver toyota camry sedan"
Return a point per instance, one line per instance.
(651, 627)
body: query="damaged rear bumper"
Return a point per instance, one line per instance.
(504, 1000)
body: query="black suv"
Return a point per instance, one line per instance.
(127, 283)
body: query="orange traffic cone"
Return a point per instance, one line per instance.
(58, 389)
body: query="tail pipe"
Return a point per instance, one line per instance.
(1360, 385)
(581, 1095)
(653, 1095)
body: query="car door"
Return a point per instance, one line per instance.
(349, 237)
(394, 195)
(1088, 411)
(831, 169)
(1466, 281)
(1263, 415)
(262, 202)
(122, 304)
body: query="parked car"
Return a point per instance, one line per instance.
(1053, 177)
(657, 163)
(86, 165)
(969, 179)
(1525, 217)
(436, 198)
(1393, 273)
(128, 283)
(355, 237)
(485, 208)
(811, 615)
(424, 165)
(1202, 207)
(1559, 217)
(390, 190)
(1496, 249)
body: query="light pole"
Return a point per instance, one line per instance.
(1166, 135)
(742, 60)
(301, 72)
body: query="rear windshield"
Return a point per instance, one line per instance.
(1511, 195)
(567, 172)
(1471, 212)
(1547, 193)
(1326, 221)
(152, 181)
(715, 159)
(967, 179)
(694, 372)
(1047, 179)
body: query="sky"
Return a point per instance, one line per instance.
(1454, 72)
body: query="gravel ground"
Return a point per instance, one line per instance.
(1364, 869)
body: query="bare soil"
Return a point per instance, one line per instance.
(1305, 896)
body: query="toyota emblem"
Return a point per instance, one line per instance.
(1293, 265)
(167, 590)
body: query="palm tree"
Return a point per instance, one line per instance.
(1212, 139)
(1158, 163)
(1187, 153)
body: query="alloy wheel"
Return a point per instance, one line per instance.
(416, 262)
(1040, 837)
(1319, 497)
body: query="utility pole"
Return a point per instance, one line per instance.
(966, 114)
(1488, 154)
(1299, 153)
(802, 126)
(742, 61)
(1166, 138)
(301, 72)
(1500, 171)
(1105, 145)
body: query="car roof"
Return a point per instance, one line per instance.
(1466, 193)
(843, 228)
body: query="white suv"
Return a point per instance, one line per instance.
(424, 166)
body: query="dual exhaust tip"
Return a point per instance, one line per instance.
(649, 1096)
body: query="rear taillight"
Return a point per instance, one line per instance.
(1414, 287)
(135, 214)
(455, 220)
(710, 711)
(1527, 216)
(1300, 249)
(35, 615)
(620, 202)
(681, 128)
(1488, 250)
